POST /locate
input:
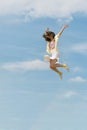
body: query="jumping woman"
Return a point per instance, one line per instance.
(52, 49)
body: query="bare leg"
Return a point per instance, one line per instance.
(65, 66)
(54, 64)
(59, 65)
(53, 67)
(56, 70)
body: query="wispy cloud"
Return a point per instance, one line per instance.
(25, 65)
(77, 48)
(70, 94)
(66, 19)
(77, 69)
(78, 79)
(80, 48)
(66, 95)
(39, 8)
(53, 109)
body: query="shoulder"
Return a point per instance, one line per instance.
(56, 37)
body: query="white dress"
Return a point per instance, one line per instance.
(52, 49)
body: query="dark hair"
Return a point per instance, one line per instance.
(47, 35)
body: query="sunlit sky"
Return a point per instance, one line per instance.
(32, 97)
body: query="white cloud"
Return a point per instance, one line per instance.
(70, 94)
(26, 65)
(66, 19)
(77, 69)
(54, 108)
(78, 79)
(80, 48)
(40, 8)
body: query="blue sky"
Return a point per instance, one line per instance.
(32, 97)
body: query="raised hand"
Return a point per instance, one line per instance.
(66, 26)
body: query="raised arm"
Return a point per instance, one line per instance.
(61, 31)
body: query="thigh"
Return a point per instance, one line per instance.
(52, 62)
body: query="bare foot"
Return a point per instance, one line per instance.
(61, 75)
(66, 67)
